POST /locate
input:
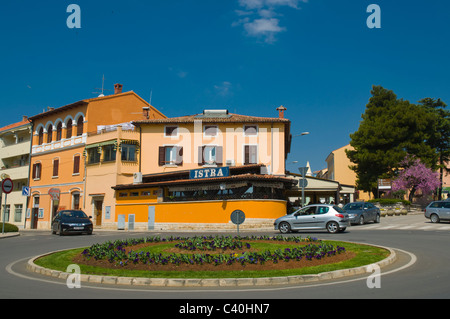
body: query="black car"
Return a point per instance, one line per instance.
(72, 221)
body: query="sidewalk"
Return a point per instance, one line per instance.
(8, 235)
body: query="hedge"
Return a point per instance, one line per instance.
(389, 201)
(9, 228)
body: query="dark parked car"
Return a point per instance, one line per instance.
(361, 212)
(72, 221)
(437, 211)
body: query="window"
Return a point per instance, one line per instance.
(134, 194)
(80, 126)
(18, 208)
(6, 209)
(69, 129)
(171, 131)
(50, 134)
(250, 130)
(76, 164)
(170, 155)
(37, 171)
(128, 152)
(55, 167)
(123, 195)
(93, 155)
(41, 136)
(76, 200)
(109, 153)
(211, 130)
(250, 154)
(59, 132)
(210, 155)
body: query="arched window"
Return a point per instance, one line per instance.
(80, 126)
(69, 129)
(59, 131)
(50, 133)
(41, 136)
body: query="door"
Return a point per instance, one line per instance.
(98, 212)
(305, 218)
(446, 211)
(34, 217)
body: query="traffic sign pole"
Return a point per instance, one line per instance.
(3, 219)
(7, 187)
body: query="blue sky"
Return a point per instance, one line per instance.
(318, 58)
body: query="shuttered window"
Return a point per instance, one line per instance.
(250, 154)
(37, 171)
(55, 167)
(76, 164)
(211, 155)
(170, 155)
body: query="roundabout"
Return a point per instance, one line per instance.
(185, 262)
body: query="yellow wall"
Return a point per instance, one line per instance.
(201, 212)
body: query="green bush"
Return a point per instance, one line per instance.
(389, 201)
(9, 228)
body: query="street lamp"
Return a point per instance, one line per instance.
(302, 134)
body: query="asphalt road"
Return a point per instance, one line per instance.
(421, 271)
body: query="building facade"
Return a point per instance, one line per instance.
(58, 152)
(198, 169)
(15, 143)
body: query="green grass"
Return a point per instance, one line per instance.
(365, 255)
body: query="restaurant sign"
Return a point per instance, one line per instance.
(210, 172)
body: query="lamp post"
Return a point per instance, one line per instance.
(303, 170)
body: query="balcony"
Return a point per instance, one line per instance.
(16, 172)
(13, 150)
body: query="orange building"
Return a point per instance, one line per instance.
(58, 150)
(196, 170)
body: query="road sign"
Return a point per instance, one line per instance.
(303, 183)
(25, 191)
(303, 170)
(237, 217)
(7, 186)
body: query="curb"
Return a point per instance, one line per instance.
(211, 282)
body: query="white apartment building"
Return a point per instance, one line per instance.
(15, 143)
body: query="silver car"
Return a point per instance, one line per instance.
(311, 217)
(361, 212)
(437, 211)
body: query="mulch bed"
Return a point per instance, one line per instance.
(268, 265)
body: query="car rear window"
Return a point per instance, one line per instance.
(338, 209)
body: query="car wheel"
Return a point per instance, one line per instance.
(60, 231)
(284, 228)
(377, 219)
(361, 220)
(332, 227)
(434, 218)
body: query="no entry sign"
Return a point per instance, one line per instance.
(7, 186)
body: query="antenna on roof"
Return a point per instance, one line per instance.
(102, 89)
(151, 94)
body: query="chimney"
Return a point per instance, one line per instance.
(24, 118)
(281, 110)
(118, 88)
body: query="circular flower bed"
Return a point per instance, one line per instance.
(212, 253)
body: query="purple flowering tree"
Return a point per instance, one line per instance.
(416, 176)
